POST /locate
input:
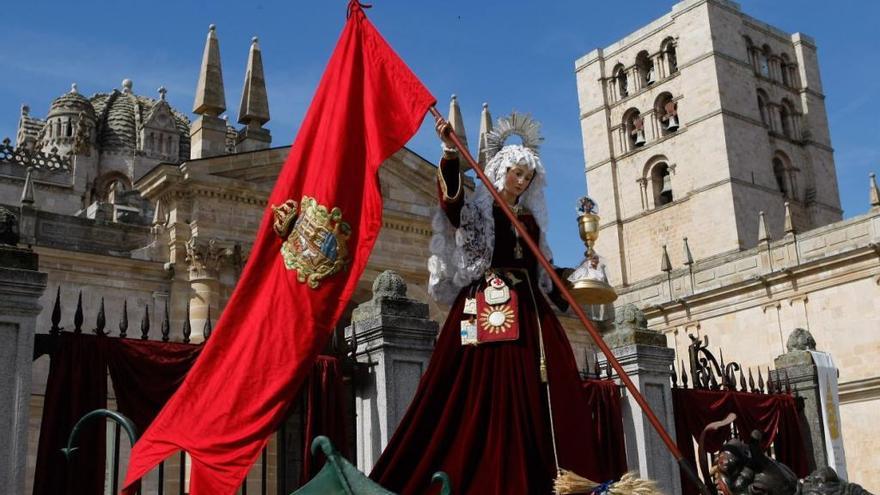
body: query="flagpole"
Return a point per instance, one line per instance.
(591, 329)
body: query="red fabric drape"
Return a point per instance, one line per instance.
(77, 384)
(146, 373)
(776, 416)
(603, 399)
(323, 415)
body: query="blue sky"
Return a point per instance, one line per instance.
(514, 55)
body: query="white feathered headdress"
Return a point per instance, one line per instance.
(460, 256)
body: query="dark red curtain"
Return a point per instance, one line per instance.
(77, 384)
(324, 413)
(144, 374)
(776, 416)
(603, 397)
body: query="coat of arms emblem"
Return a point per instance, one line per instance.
(315, 239)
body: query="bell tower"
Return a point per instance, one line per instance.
(694, 124)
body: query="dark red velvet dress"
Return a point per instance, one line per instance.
(480, 412)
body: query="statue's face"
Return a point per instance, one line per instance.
(517, 179)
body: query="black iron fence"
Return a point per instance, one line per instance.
(280, 464)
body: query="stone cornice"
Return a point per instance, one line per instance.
(760, 290)
(859, 390)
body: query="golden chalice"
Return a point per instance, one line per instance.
(589, 284)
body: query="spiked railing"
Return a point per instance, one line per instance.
(46, 342)
(706, 372)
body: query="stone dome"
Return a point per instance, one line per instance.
(120, 115)
(71, 103)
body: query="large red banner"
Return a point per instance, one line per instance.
(304, 266)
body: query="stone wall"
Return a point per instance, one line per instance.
(826, 280)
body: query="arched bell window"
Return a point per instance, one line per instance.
(622, 83)
(762, 107)
(785, 68)
(670, 56)
(667, 113)
(779, 175)
(634, 127)
(647, 74)
(764, 61)
(785, 118)
(661, 181)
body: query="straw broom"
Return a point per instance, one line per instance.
(568, 482)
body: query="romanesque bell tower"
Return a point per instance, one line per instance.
(694, 124)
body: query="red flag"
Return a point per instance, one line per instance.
(290, 296)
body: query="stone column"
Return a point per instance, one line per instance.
(796, 367)
(394, 340)
(21, 285)
(205, 260)
(647, 360)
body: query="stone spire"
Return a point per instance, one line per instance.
(688, 257)
(789, 224)
(254, 109)
(160, 214)
(457, 121)
(210, 97)
(27, 193)
(208, 132)
(763, 235)
(665, 264)
(875, 193)
(485, 128)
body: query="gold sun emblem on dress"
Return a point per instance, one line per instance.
(497, 319)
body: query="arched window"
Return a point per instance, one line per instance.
(750, 53)
(793, 120)
(634, 127)
(622, 83)
(668, 49)
(667, 113)
(68, 128)
(764, 61)
(762, 107)
(785, 118)
(779, 171)
(646, 69)
(785, 66)
(661, 183)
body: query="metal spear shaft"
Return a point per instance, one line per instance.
(591, 329)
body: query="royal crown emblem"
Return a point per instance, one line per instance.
(315, 239)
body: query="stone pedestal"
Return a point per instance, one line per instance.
(207, 137)
(648, 362)
(394, 340)
(252, 138)
(21, 286)
(797, 368)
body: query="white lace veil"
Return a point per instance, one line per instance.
(460, 256)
